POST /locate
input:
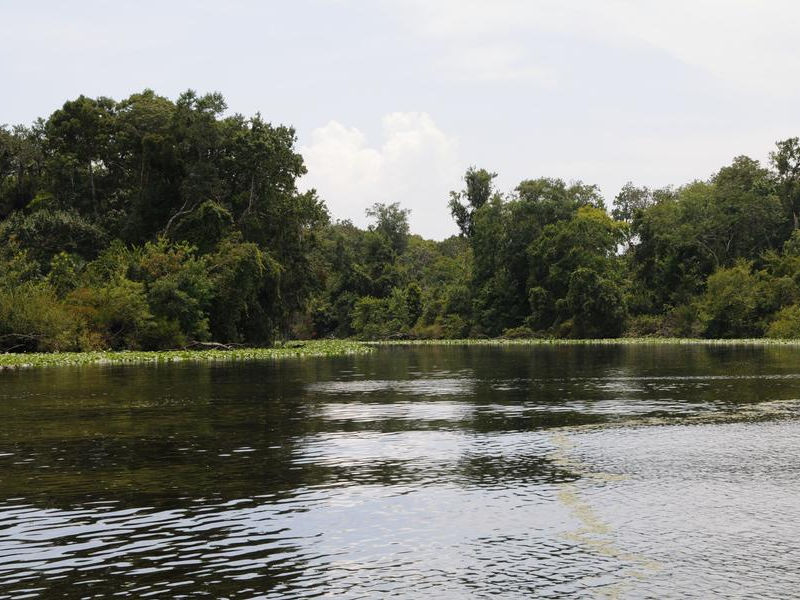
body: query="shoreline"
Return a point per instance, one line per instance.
(640, 341)
(333, 348)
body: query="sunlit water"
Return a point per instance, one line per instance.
(429, 472)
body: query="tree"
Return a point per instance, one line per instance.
(78, 137)
(631, 201)
(391, 221)
(704, 226)
(463, 204)
(786, 161)
(730, 305)
(575, 286)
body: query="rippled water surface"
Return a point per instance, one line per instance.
(419, 472)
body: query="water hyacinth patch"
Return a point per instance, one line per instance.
(316, 348)
(649, 341)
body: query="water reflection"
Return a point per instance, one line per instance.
(416, 472)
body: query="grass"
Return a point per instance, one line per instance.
(316, 348)
(643, 341)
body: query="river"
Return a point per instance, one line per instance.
(660, 471)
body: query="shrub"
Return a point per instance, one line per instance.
(376, 318)
(644, 326)
(33, 319)
(596, 303)
(523, 332)
(786, 324)
(730, 306)
(682, 321)
(116, 312)
(428, 332)
(454, 326)
(177, 286)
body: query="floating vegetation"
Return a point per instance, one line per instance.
(750, 413)
(591, 342)
(320, 348)
(593, 533)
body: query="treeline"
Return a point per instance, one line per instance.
(148, 223)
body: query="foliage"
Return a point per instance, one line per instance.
(730, 305)
(32, 319)
(148, 223)
(192, 215)
(375, 318)
(516, 333)
(314, 348)
(786, 324)
(477, 193)
(575, 286)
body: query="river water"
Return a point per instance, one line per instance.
(412, 472)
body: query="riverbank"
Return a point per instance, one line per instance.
(316, 348)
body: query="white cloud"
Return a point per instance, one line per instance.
(493, 62)
(416, 164)
(748, 43)
(745, 42)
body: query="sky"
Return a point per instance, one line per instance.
(393, 100)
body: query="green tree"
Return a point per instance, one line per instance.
(78, 137)
(631, 201)
(575, 286)
(786, 162)
(478, 191)
(391, 222)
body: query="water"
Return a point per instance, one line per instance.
(430, 472)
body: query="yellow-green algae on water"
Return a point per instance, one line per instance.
(315, 348)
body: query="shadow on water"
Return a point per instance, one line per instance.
(417, 471)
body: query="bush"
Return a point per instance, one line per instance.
(178, 289)
(644, 326)
(786, 324)
(730, 307)
(32, 319)
(596, 303)
(428, 332)
(241, 275)
(682, 321)
(376, 318)
(523, 332)
(454, 326)
(115, 312)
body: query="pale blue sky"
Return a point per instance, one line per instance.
(392, 100)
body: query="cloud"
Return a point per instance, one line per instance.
(745, 43)
(491, 63)
(416, 164)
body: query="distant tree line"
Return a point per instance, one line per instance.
(152, 223)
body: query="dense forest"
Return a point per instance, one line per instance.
(151, 223)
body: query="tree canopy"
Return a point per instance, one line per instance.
(153, 223)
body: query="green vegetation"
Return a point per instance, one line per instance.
(628, 341)
(152, 224)
(314, 348)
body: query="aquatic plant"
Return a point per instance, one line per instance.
(316, 348)
(590, 342)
